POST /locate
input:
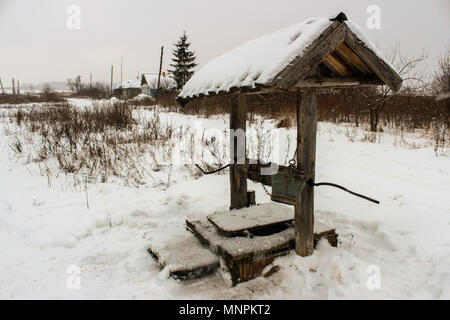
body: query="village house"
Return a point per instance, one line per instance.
(128, 89)
(149, 83)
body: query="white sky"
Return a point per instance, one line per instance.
(36, 45)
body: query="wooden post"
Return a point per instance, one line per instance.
(13, 87)
(238, 175)
(18, 87)
(112, 75)
(306, 162)
(160, 69)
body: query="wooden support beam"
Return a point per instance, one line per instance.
(374, 62)
(352, 58)
(306, 162)
(309, 60)
(327, 82)
(338, 65)
(238, 172)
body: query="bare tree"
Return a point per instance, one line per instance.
(441, 79)
(75, 84)
(406, 67)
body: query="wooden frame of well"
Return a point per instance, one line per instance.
(337, 58)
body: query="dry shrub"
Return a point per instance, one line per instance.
(98, 142)
(31, 98)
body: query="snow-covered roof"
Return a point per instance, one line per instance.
(129, 84)
(152, 81)
(264, 61)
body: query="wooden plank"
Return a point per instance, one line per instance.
(185, 257)
(338, 66)
(308, 61)
(306, 162)
(238, 175)
(339, 82)
(377, 65)
(346, 53)
(246, 257)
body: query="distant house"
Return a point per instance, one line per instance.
(128, 89)
(149, 83)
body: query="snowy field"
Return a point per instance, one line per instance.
(47, 232)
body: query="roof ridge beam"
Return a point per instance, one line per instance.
(308, 61)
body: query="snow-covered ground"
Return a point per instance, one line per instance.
(398, 249)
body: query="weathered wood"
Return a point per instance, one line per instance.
(339, 82)
(309, 60)
(251, 198)
(349, 56)
(306, 161)
(377, 65)
(338, 66)
(246, 257)
(238, 175)
(197, 262)
(330, 235)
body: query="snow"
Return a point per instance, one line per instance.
(172, 254)
(359, 33)
(258, 61)
(142, 97)
(238, 246)
(165, 82)
(129, 84)
(252, 217)
(255, 62)
(46, 227)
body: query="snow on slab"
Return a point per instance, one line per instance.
(238, 246)
(253, 217)
(257, 61)
(183, 256)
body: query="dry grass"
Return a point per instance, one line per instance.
(97, 142)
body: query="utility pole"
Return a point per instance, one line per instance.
(91, 81)
(18, 87)
(121, 66)
(1, 84)
(14, 87)
(112, 75)
(160, 69)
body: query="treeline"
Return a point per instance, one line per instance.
(405, 111)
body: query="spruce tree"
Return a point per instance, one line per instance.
(183, 62)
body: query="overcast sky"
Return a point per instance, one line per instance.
(37, 46)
